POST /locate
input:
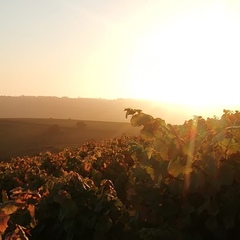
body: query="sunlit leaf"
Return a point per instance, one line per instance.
(161, 149)
(140, 119)
(99, 153)
(106, 182)
(147, 134)
(31, 209)
(205, 146)
(16, 190)
(149, 151)
(233, 128)
(175, 167)
(136, 148)
(130, 111)
(134, 156)
(3, 222)
(219, 138)
(4, 196)
(150, 171)
(9, 207)
(158, 133)
(233, 147)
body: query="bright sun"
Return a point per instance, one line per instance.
(192, 60)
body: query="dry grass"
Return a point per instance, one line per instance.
(28, 137)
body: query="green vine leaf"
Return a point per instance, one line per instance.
(176, 168)
(141, 119)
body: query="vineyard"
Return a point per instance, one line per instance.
(173, 182)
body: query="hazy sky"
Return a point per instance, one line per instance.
(168, 50)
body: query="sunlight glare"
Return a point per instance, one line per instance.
(192, 60)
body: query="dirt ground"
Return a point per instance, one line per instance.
(28, 137)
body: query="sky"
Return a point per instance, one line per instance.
(180, 51)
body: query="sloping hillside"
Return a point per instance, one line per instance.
(20, 137)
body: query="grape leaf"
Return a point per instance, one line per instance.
(130, 111)
(3, 222)
(147, 133)
(150, 171)
(175, 167)
(141, 119)
(16, 190)
(4, 196)
(9, 207)
(31, 209)
(149, 151)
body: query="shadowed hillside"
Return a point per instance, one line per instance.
(94, 109)
(27, 137)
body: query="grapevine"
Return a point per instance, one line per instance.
(170, 182)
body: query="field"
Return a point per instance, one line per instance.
(21, 137)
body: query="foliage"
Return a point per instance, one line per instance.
(172, 182)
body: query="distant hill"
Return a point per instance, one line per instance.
(93, 109)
